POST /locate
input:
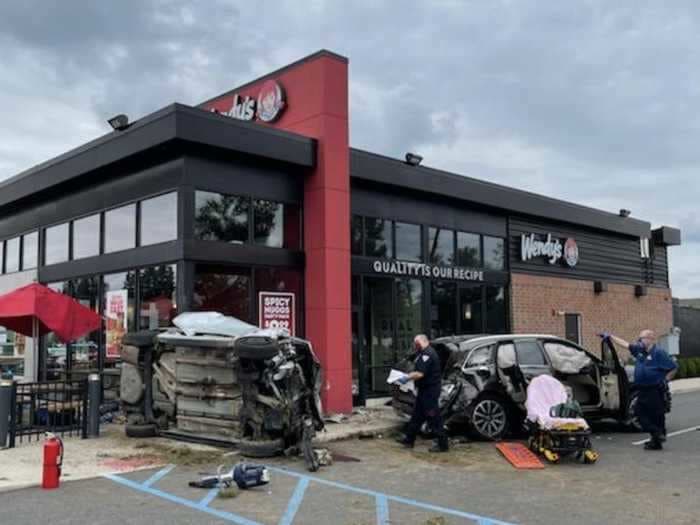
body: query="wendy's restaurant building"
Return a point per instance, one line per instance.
(254, 205)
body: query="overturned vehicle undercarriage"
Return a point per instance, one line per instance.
(218, 380)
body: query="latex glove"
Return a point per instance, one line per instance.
(403, 379)
(604, 335)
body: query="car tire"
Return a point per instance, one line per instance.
(262, 448)
(489, 417)
(141, 431)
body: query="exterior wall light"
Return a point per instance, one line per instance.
(624, 213)
(119, 122)
(413, 159)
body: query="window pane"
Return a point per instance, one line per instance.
(379, 327)
(409, 246)
(86, 237)
(158, 296)
(529, 353)
(221, 217)
(12, 255)
(268, 223)
(441, 246)
(468, 250)
(223, 290)
(378, 238)
(56, 244)
(409, 313)
(120, 228)
(159, 219)
(481, 356)
(30, 250)
(494, 253)
(119, 312)
(495, 310)
(470, 310)
(443, 311)
(356, 235)
(84, 350)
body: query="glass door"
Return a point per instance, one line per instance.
(379, 326)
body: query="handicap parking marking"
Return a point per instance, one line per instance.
(382, 500)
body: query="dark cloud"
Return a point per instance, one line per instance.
(590, 101)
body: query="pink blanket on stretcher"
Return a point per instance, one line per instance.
(543, 393)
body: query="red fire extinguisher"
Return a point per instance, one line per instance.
(53, 460)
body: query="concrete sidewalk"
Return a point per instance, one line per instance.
(682, 386)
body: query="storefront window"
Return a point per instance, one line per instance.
(12, 350)
(495, 310)
(225, 290)
(281, 280)
(120, 228)
(379, 324)
(268, 223)
(378, 238)
(443, 311)
(441, 246)
(56, 244)
(494, 253)
(409, 313)
(86, 237)
(30, 250)
(56, 350)
(356, 237)
(158, 221)
(468, 250)
(221, 217)
(409, 245)
(470, 303)
(12, 255)
(118, 301)
(85, 350)
(158, 297)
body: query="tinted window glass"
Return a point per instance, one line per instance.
(468, 250)
(529, 354)
(158, 296)
(159, 219)
(223, 290)
(85, 349)
(30, 250)
(481, 357)
(12, 255)
(470, 310)
(441, 246)
(221, 217)
(86, 237)
(409, 246)
(494, 253)
(120, 228)
(378, 238)
(118, 312)
(495, 310)
(268, 223)
(356, 235)
(443, 309)
(56, 244)
(409, 311)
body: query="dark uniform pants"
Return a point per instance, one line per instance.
(427, 409)
(651, 410)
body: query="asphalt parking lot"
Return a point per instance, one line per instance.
(373, 481)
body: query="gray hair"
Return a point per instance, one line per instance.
(421, 339)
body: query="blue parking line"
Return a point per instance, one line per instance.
(206, 500)
(226, 516)
(389, 497)
(294, 502)
(158, 476)
(382, 510)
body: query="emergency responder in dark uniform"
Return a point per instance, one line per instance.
(427, 376)
(653, 368)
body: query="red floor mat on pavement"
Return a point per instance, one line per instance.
(519, 455)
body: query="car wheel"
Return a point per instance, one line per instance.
(632, 423)
(141, 431)
(261, 448)
(489, 417)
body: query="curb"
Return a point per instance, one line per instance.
(351, 434)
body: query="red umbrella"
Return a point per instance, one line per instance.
(37, 310)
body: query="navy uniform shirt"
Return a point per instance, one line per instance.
(427, 363)
(651, 367)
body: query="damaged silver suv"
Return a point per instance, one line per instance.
(485, 380)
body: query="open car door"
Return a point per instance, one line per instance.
(614, 388)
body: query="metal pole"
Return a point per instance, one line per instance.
(94, 393)
(6, 388)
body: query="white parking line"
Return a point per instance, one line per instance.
(676, 433)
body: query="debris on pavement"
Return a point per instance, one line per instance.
(323, 457)
(243, 475)
(336, 418)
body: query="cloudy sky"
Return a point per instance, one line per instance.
(594, 102)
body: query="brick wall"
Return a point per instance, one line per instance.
(535, 298)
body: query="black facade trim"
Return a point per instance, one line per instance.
(393, 172)
(152, 255)
(175, 123)
(213, 252)
(277, 72)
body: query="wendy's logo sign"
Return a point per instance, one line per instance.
(571, 252)
(267, 107)
(551, 249)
